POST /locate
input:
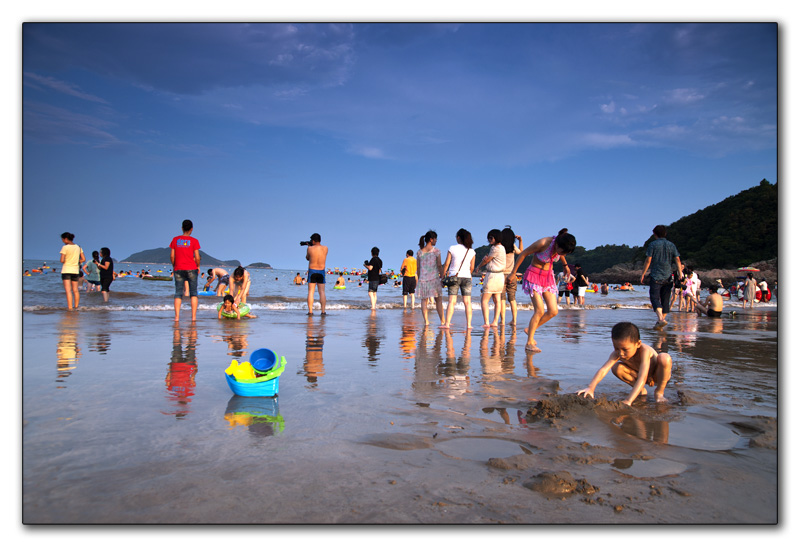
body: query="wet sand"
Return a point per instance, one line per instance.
(379, 420)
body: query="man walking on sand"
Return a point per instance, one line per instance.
(184, 254)
(660, 254)
(316, 254)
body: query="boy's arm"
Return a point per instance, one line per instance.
(644, 370)
(601, 373)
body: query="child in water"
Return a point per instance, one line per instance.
(229, 306)
(634, 363)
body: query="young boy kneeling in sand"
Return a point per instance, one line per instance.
(635, 363)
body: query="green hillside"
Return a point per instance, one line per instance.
(740, 230)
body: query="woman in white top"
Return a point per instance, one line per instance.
(460, 263)
(72, 257)
(494, 280)
(510, 286)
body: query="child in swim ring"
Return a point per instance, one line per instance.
(229, 306)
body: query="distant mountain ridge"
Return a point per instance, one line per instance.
(161, 256)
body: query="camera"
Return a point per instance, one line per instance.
(305, 243)
(366, 262)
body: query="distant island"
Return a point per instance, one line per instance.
(260, 265)
(161, 256)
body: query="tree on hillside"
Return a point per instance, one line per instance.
(740, 230)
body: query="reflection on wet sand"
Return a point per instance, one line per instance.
(408, 341)
(654, 431)
(372, 340)
(313, 366)
(261, 415)
(181, 370)
(68, 351)
(433, 372)
(236, 339)
(100, 343)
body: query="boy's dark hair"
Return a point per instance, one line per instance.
(660, 231)
(105, 252)
(625, 330)
(228, 298)
(238, 272)
(187, 225)
(316, 238)
(375, 251)
(409, 252)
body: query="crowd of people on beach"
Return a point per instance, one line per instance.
(426, 276)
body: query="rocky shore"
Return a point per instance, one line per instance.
(632, 273)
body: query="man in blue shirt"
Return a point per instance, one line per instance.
(661, 253)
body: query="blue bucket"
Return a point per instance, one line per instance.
(263, 360)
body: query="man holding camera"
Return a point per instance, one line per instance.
(316, 254)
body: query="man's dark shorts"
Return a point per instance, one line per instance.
(409, 285)
(316, 276)
(714, 313)
(661, 294)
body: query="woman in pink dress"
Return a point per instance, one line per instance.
(539, 282)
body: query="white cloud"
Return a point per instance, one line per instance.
(369, 152)
(62, 87)
(608, 108)
(602, 140)
(684, 95)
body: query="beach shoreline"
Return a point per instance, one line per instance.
(380, 420)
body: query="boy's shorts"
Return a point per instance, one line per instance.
(373, 286)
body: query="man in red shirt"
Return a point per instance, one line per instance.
(184, 254)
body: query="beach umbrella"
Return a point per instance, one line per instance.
(748, 268)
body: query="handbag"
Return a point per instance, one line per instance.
(452, 280)
(383, 278)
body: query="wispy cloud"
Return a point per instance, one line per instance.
(605, 141)
(684, 96)
(32, 79)
(369, 152)
(51, 124)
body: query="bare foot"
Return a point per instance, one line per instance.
(660, 398)
(532, 348)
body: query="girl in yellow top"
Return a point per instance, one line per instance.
(71, 257)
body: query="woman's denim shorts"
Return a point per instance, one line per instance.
(464, 283)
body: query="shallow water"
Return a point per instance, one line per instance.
(127, 416)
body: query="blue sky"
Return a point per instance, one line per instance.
(371, 134)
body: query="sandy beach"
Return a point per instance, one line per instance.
(382, 421)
